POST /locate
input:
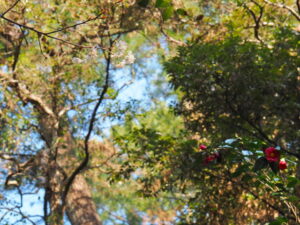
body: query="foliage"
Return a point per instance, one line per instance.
(232, 87)
(225, 188)
(237, 88)
(236, 75)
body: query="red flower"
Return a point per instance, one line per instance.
(282, 165)
(212, 157)
(272, 154)
(202, 147)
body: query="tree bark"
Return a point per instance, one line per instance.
(80, 207)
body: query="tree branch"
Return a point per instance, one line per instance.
(66, 109)
(48, 34)
(25, 95)
(291, 10)
(85, 161)
(257, 129)
(10, 8)
(256, 19)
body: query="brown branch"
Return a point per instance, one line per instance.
(75, 25)
(161, 22)
(17, 52)
(48, 34)
(40, 33)
(10, 8)
(85, 161)
(256, 19)
(66, 109)
(291, 10)
(25, 95)
(180, 43)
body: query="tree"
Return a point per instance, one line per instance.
(58, 58)
(51, 65)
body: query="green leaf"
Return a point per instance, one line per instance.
(167, 13)
(162, 3)
(246, 178)
(143, 3)
(260, 163)
(181, 12)
(292, 181)
(279, 221)
(274, 166)
(111, 92)
(293, 199)
(240, 170)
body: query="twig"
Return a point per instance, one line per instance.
(161, 21)
(10, 8)
(40, 45)
(48, 34)
(75, 25)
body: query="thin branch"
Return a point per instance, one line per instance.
(10, 8)
(17, 52)
(48, 34)
(291, 10)
(84, 163)
(66, 109)
(257, 129)
(256, 19)
(40, 33)
(161, 21)
(19, 211)
(180, 43)
(40, 45)
(75, 25)
(6, 155)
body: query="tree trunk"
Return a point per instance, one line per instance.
(80, 207)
